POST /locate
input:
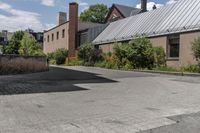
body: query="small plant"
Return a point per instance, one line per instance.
(166, 68)
(196, 50)
(159, 56)
(191, 68)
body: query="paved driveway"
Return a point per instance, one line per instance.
(94, 100)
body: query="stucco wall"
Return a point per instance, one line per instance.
(51, 46)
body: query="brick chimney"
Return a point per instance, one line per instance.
(61, 18)
(154, 7)
(143, 5)
(73, 28)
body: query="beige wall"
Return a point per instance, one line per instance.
(162, 42)
(186, 56)
(51, 46)
(106, 47)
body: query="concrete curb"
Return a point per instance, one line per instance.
(170, 73)
(145, 71)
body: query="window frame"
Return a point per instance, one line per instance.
(169, 38)
(57, 35)
(52, 37)
(63, 33)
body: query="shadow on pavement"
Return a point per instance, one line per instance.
(56, 80)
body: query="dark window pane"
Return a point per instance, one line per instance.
(173, 46)
(174, 50)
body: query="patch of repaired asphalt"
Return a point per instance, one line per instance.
(187, 123)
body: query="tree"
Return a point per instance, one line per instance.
(29, 46)
(14, 43)
(96, 13)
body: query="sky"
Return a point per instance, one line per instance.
(41, 15)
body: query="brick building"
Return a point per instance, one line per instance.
(172, 27)
(70, 34)
(118, 12)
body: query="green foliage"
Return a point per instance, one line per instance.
(196, 48)
(89, 54)
(191, 68)
(166, 68)
(159, 56)
(1, 49)
(29, 46)
(95, 13)
(139, 53)
(14, 44)
(60, 56)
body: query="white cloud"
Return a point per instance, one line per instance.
(171, 2)
(48, 2)
(19, 19)
(150, 5)
(83, 5)
(49, 26)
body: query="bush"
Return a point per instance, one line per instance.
(139, 52)
(159, 56)
(60, 56)
(89, 54)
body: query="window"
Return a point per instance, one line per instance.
(48, 38)
(173, 46)
(57, 35)
(52, 37)
(63, 33)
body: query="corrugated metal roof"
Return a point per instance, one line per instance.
(182, 16)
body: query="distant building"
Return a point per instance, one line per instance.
(172, 27)
(70, 34)
(37, 35)
(117, 12)
(4, 37)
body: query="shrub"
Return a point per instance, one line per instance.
(139, 52)
(159, 56)
(60, 56)
(89, 54)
